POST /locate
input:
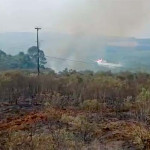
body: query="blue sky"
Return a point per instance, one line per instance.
(97, 17)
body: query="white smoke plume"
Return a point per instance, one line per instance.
(104, 17)
(98, 17)
(85, 21)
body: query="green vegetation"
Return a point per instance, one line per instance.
(22, 60)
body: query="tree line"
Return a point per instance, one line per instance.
(22, 60)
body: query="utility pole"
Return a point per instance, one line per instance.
(38, 58)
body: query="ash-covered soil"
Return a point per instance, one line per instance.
(44, 127)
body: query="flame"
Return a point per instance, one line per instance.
(107, 64)
(99, 60)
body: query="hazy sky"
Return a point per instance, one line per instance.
(98, 17)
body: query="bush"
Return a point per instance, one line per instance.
(143, 105)
(92, 105)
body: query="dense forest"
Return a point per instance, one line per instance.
(22, 60)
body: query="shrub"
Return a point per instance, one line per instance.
(143, 105)
(92, 105)
(18, 140)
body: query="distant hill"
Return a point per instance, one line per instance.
(132, 53)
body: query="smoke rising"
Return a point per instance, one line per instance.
(88, 20)
(81, 24)
(107, 17)
(98, 17)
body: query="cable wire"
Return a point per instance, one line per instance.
(66, 59)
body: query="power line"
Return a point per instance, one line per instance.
(38, 59)
(66, 59)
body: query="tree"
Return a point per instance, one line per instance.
(2, 54)
(3, 60)
(33, 54)
(24, 61)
